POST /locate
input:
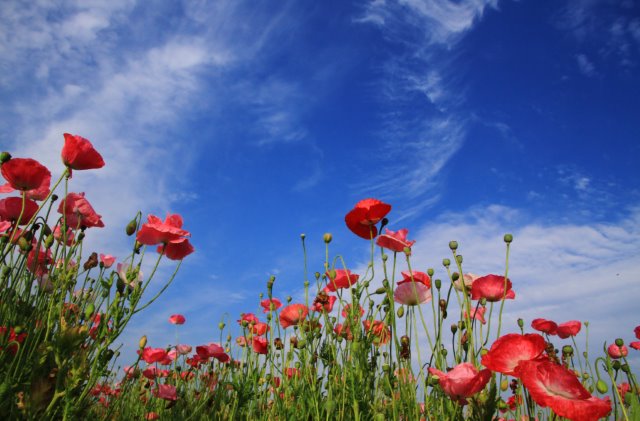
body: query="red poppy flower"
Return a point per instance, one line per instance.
(571, 328)
(270, 304)
(363, 217)
(260, 328)
(293, 314)
(637, 332)
(260, 345)
(463, 381)
(347, 311)
(511, 349)
(380, 332)
(551, 385)
(38, 261)
(107, 260)
(177, 319)
(154, 231)
(323, 302)
(343, 331)
(415, 276)
(617, 352)
(79, 212)
(166, 392)
(412, 294)
(247, 319)
(4, 225)
(395, 241)
(60, 236)
(343, 279)
(492, 287)
(10, 208)
(151, 416)
(635, 345)
(176, 250)
(153, 355)
(212, 351)
(78, 153)
(545, 326)
(25, 174)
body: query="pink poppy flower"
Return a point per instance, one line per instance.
(546, 326)
(467, 279)
(394, 241)
(270, 304)
(107, 260)
(166, 392)
(511, 349)
(617, 352)
(463, 381)
(478, 314)
(260, 345)
(25, 174)
(177, 319)
(241, 341)
(362, 219)
(60, 236)
(571, 328)
(4, 226)
(10, 208)
(78, 153)
(131, 276)
(492, 287)
(551, 385)
(183, 349)
(415, 276)
(176, 250)
(343, 279)
(293, 314)
(79, 212)
(412, 294)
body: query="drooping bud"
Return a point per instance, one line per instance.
(24, 244)
(602, 387)
(131, 227)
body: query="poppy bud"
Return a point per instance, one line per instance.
(520, 323)
(438, 283)
(446, 262)
(454, 328)
(48, 242)
(459, 258)
(508, 238)
(383, 223)
(483, 301)
(453, 245)
(455, 276)
(131, 227)
(221, 325)
(88, 311)
(619, 342)
(143, 342)
(504, 384)
(401, 312)
(602, 386)
(384, 257)
(385, 283)
(4, 157)
(407, 251)
(625, 368)
(24, 244)
(289, 298)
(303, 236)
(381, 290)
(327, 237)
(616, 365)
(430, 272)
(567, 350)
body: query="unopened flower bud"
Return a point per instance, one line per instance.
(459, 258)
(430, 272)
(54, 197)
(289, 298)
(567, 350)
(221, 325)
(602, 386)
(616, 365)
(327, 237)
(383, 223)
(504, 384)
(143, 342)
(437, 283)
(24, 244)
(131, 227)
(303, 236)
(521, 323)
(619, 342)
(4, 157)
(453, 245)
(48, 242)
(454, 328)
(455, 276)
(625, 368)
(508, 238)
(400, 312)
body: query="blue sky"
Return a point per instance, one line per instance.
(258, 121)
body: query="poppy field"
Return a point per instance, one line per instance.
(394, 342)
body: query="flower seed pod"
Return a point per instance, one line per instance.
(508, 238)
(453, 245)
